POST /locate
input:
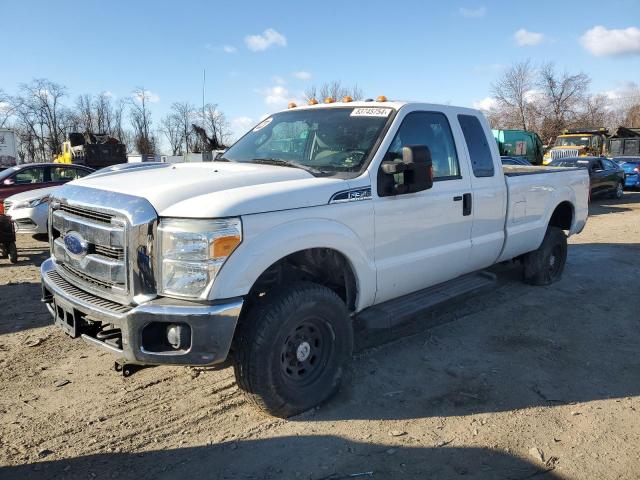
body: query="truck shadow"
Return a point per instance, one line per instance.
(517, 347)
(305, 457)
(21, 309)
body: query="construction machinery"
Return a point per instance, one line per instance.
(95, 150)
(578, 142)
(519, 143)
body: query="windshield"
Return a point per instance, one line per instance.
(573, 141)
(323, 141)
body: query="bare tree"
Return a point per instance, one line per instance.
(513, 92)
(216, 125)
(171, 128)
(563, 95)
(6, 108)
(140, 116)
(333, 89)
(184, 116)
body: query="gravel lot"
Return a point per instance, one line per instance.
(519, 383)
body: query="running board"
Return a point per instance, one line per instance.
(403, 309)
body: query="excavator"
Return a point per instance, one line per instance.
(95, 150)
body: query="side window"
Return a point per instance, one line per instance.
(29, 175)
(609, 165)
(66, 174)
(430, 129)
(479, 151)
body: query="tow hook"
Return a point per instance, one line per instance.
(127, 369)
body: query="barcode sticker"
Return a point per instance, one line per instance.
(370, 112)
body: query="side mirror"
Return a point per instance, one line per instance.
(9, 181)
(412, 173)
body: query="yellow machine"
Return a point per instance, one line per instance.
(578, 142)
(94, 150)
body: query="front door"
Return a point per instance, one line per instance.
(423, 238)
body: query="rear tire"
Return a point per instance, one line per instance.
(545, 265)
(618, 193)
(290, 353)
(13, 252)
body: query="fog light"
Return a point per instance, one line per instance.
(178, 336)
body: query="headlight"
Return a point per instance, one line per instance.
(32, 203)
(193, 251)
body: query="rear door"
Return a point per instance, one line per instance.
(599, 180)
(488, 199)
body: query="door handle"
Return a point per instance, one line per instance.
(457, 198)
(466, 204)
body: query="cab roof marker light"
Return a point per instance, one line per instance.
(381, 98)
(347, 99)
(312, 101)
(329, 100)
(292, 105)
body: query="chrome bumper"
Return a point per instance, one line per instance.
(211, 325)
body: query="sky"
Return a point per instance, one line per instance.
(259, 55)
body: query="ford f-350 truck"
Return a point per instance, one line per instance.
(318, 217)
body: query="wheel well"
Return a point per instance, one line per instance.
(324, 266)
(562, 216)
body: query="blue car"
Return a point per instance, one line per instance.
(631, 167)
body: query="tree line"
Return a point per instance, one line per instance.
(547, 101)
(42, 114)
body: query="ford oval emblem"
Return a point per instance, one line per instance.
(76, 245)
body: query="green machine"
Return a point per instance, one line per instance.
(519, 143)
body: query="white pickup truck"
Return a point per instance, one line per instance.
(319, 216)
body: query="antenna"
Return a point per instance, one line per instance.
(204, 79)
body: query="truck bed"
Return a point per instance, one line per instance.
(533, 194)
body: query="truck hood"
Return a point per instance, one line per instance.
(219, 189)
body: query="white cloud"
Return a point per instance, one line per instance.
(602, 42)
(532, 95)
(485, 104)
(270, 37)
(526, 38)
(108, 94)
(229, 49)
(473, 12)
(148, 95)
(4, 107)
(278, 79)
(302, 75)
(278, 96)
(240, 125)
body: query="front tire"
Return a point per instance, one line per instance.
(545, 265)
(13, 252)
(290, 353)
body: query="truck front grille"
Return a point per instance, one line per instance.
(564, 153)
(100, 264)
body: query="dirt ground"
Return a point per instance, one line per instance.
(523, 382)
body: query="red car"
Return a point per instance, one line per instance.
(30, 176)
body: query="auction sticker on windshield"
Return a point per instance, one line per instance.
(370, 112)
(263, 124)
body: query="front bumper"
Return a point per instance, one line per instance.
(30, 220)
(82, 314)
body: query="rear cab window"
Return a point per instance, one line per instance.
(479, 151)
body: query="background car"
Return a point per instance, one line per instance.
(631, 167)
(506, 160)
(29, 210)
(31, 176)
(606, 177)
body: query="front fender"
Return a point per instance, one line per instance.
(261, 248)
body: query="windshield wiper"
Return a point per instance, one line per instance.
(288, 163)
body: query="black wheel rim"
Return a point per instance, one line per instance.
(554, 263)
(306, 351)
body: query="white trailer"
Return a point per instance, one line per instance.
(8, 148)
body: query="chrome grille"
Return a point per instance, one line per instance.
(564, 153)
(110, 252)
(101, 267)
(94, 300)
(7, 205)
(88, 214)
